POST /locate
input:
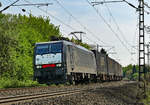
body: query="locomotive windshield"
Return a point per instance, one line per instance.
(48, 48)
(48, 53)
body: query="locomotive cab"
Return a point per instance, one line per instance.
(48, 62)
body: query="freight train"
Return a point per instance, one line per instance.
(63, 61)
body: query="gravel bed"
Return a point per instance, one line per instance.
(36, 90)
(113, 93)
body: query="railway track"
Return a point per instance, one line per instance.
(31, 95)
(20, 98)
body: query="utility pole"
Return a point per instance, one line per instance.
(141, 11)
(142, 46)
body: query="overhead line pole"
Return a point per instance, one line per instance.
(141, 10)
(141, 42)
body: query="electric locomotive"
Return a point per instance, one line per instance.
(63, 61)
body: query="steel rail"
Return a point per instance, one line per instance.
(19, 98)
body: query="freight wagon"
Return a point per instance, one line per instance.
(107, 68)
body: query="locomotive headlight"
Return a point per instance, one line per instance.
(38, 67)
(58, 65)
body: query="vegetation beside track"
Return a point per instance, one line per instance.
(146, 100)
(130, 72)
(8, 83)
(18, 34)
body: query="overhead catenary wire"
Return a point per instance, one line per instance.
(146, 4)
(109, 26)
(41, 4)
(119, 29)
(84, 27)
(115, 55)
(63, 22)
(137, 8)
(135, 37)
(114, 20)
(20, 8)
(134, 48)
(121, 33)
(51, 16)
(57, 19)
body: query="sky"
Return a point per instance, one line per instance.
(114, 26)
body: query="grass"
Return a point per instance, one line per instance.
(13, 83)
(146, 101)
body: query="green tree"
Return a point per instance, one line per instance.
(18, 34)
(131, 72)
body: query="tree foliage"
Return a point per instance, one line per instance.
(18, 34)
(131, 72)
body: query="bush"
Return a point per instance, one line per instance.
(13, 83)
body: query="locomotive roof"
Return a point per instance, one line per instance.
(66, 43)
